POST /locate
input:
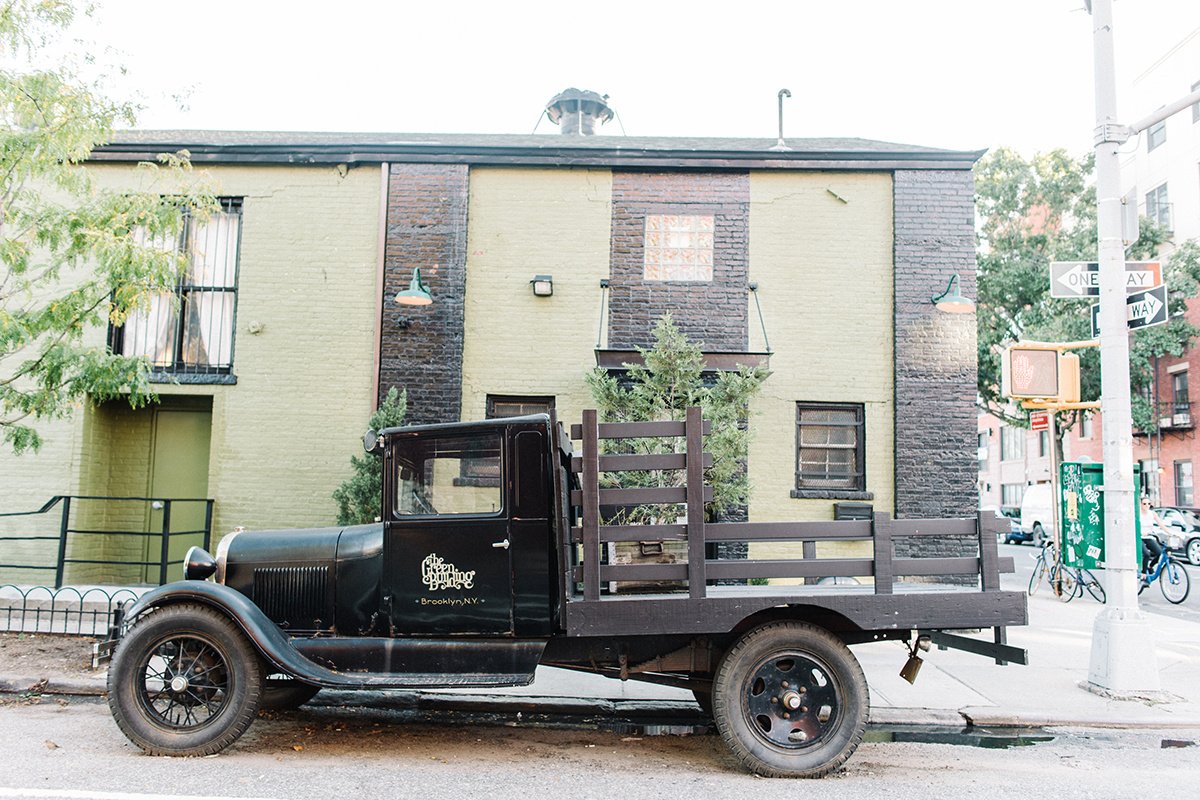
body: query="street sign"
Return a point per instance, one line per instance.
(1142, 309)
(1082, 278)
(1039, 421)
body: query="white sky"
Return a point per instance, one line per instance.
(964, 74)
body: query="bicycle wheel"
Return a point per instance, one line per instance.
(1175, 583)
(1065, 583)
(1039, 572)
(1093, 586)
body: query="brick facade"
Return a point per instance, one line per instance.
(712, 313)
(422, 346)
(935, 368)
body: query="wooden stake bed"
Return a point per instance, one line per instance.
(884, 602)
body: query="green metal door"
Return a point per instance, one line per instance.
(179, 452)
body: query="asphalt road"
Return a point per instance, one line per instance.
(59, 749)
(1150, 601)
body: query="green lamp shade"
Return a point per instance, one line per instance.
(417, 293)
(952, 300)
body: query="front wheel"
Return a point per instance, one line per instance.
(1174, 582)
(184, 682)
(790, 701)
(1093, 585)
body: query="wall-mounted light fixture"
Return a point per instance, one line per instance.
(543, 285)
(952, 300)
(417, 293)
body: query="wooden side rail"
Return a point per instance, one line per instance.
(882, 532)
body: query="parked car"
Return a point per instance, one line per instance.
(1013, 534)
(1186, 521)
(1037, 514)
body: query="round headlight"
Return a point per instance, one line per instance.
(198, 564)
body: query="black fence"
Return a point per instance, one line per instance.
(99, 539)
(71, 611)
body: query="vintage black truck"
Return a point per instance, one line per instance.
(492, 558)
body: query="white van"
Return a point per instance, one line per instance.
(1037, 513)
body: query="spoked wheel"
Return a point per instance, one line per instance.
(1174, 582)
(790, 700)
(1093, 586)
(1039, 572)
(184, 682)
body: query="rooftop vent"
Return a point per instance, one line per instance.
(578, 113)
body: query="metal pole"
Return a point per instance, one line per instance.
(63, 529)
(166, 543)
(1122, 658)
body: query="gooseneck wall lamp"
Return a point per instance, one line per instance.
(952, 300)
(417, 293)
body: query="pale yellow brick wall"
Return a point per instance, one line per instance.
(824, 269)
(526, 222)
(283, 436)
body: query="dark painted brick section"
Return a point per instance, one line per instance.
(711, 313)
(936, 465)
(422, 346)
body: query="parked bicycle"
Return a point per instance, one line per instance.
(1172, 579)
(1066, 582)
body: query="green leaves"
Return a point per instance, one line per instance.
(672, 379)
(358, 499)
(73, 256)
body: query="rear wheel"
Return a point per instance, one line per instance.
(184, 682)
(790, 701)
(284, 694)
(1174, 582)
(1039, 535)
(1093, 585)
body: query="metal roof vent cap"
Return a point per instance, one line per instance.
(577, 112)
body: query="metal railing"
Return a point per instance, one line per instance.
(69, 611)
(90, 527)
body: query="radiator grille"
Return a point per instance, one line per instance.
(292, 596)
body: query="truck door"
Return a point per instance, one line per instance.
(447, 562)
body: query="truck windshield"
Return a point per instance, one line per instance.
(451, 474)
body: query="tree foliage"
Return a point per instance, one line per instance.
(1030, 213)
(672, 379)
(358, 499)
(73, 256)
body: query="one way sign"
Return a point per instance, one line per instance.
(1142, 309)
(1082, 278)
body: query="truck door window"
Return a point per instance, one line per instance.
(429, 475)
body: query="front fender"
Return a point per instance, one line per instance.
(267, 637)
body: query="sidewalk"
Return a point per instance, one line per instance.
(953, 687)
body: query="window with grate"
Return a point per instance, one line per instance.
(1158, 208)
(830, 446)
(678, 247)
(484, 471)
(188, 331)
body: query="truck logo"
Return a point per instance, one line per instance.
(437, 574)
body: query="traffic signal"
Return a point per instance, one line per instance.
(1039, 372)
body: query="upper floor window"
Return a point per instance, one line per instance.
(679, 247)
(830, 447)
(1012, 443)
(1158, 208)
(499, 406)
(1085, 427)
(1156, 135)
(188, 330)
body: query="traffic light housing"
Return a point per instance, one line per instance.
(1039, 372)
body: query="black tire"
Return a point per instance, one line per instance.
(286, 694)
(1039, 535)
(1174, 583)
(1192, 550)
(1093, 585)
(184, 682)
(785, 670)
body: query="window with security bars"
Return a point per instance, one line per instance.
(486, 471)
(188, 330)
(829, 446)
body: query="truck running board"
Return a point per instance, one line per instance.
(998, 649)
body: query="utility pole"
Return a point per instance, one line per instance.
(1123, 658)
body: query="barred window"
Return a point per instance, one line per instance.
(830, 446)
(188, 330)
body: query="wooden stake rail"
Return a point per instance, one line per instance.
(882, 531)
